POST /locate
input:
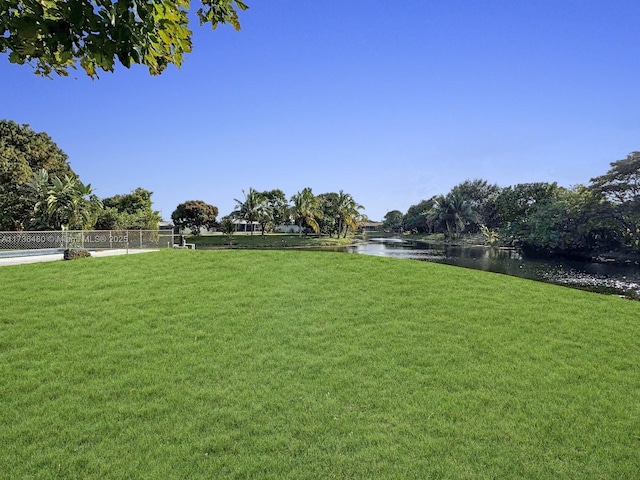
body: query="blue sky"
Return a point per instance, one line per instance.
(392, 102)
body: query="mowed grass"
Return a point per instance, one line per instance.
(270, 364)
(271, 240)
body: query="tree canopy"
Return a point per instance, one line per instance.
(417, 219)
(132, 211)
(542, 218)
(254, 208)
(515, 203)
(40, 191)
(23, 152)
(393, 221)
(621, 186)
(55, 35)
(306, 210)
(71, 204)
(349, 216)
(622, 182)
(454, 211)
(482, 196)
(278, 206)
(194, 214)
(23, 155)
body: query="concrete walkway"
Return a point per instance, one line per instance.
(20, 260)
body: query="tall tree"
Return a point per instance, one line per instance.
(278, 205)
(195, 214)
(622, 182)
(516, 203)
(253, 208)
(348, 213)
(37, 199)
(417, 218)
(328, 224)
(72, 204)
(454, 212)
(621, 186)
(23, 154)
(18, 204)
(306, 210)
(482, 196)
(393, 221)
(132, 211)
(55, 35)
(265, 216)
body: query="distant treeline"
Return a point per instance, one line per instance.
(541, 218)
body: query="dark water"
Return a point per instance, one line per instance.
(600, 277)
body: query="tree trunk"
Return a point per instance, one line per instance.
(448, 228)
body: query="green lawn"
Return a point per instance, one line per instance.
(271, 364)
(272, 240)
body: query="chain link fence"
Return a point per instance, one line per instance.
(92, 240)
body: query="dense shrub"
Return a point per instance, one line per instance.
(75, 253)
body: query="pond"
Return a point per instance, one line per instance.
(600, 277)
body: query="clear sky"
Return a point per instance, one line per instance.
(391, 101)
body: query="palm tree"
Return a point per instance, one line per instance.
(454, 211)
(254, 208)
(306, 210)
(38, 190)
(348, 213)
(278, 206)
(71, 203)
(265, 216)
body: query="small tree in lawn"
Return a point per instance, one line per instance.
(228, 227)
(195, 214)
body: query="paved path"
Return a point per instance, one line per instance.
(58, 256)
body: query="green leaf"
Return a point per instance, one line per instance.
(54, 34)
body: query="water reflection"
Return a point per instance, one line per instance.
(605, 278)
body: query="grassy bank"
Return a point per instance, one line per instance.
(271, 364)
(243, 240)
